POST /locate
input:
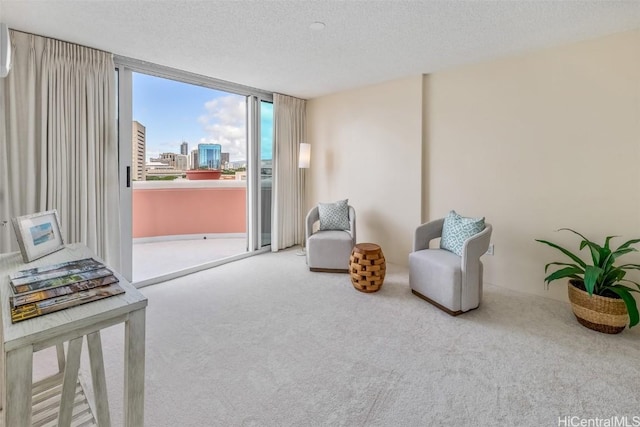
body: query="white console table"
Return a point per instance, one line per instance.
(22, 339)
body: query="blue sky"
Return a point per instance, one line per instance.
(173, 112)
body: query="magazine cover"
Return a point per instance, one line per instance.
(17, 301)
(52, 271)
(59, 281)
(52, 305)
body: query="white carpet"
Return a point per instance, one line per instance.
(265, 342)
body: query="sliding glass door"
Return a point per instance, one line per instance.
(198, 171)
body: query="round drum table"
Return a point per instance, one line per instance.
(367, 267)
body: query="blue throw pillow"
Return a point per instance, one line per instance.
(334, 216)
(457, 229)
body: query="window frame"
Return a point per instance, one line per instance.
(125, 67)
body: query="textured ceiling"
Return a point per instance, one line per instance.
(268, 44)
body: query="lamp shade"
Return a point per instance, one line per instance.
(304, 159)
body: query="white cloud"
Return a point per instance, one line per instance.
(225, 123)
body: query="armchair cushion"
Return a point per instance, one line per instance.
(334, 216)
(457, 229)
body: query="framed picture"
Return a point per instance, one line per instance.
(38, 234)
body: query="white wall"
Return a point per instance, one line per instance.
(534, 143)
(366, 146)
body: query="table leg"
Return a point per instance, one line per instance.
(69, 382)
(99, 382)
(2, 379)
(134, 369)
(18, 371)
(61, 357)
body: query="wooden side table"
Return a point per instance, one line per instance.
(20, 340)
(367, 267)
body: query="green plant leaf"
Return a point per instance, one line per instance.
(630, 302)
(631, 281)
(627, 244)
(546, 267)
(606, 241)
(612, 276)
(568, 272)
(619, 252)
(593, 247)
(608, 262)
(575, 258)
(630, 266)
(591, 276)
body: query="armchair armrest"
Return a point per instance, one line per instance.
(427, 232)
(475, 246)
(311, 219)
(352, 223)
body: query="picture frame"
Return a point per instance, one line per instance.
(38, 234)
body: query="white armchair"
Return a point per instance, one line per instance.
(329, 250)
(450, 282)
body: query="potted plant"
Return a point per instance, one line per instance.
(598, 291)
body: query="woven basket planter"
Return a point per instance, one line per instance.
(602, 314)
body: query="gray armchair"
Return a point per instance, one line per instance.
(450, 282)
(329, 250)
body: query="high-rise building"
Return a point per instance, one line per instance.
(138, 151)
(224, 159)
(184, 148)
(209, 156)
(194, 159)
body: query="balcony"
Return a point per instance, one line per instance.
(181, 224)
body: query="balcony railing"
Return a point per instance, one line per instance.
(179, 225)
(181, 207)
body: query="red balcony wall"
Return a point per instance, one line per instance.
(177, 211)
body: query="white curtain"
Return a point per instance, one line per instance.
(289, 131)
(58, 142)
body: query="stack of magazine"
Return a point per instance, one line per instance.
(44, 290)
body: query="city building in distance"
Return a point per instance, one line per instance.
(209, 156)
(194, 159)
(184, 148)
(182, 162)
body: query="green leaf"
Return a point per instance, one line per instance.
(606, 241)
(627, 244)
(612, 276)
(593, 247)
(630, 266)
(569, 272)
(591, 275)
(619, 252)
(575, 258)
(546, 267)
(631, 281)
(630, 302)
